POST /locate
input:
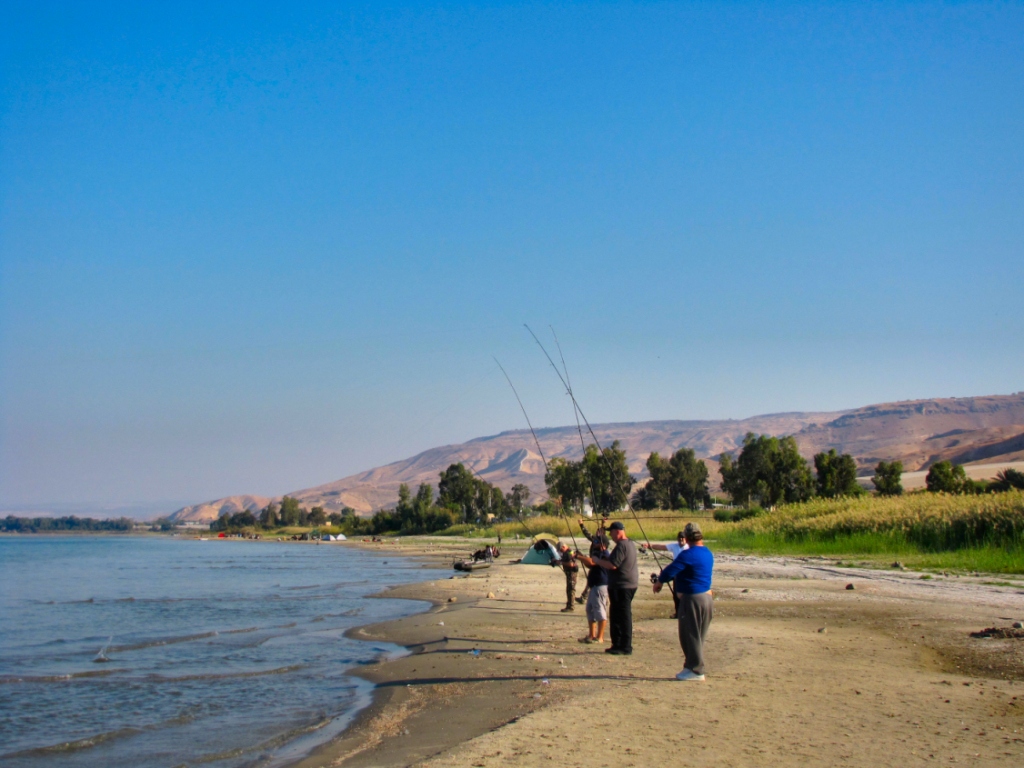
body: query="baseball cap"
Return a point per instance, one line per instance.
(616, 526)
(692, 531)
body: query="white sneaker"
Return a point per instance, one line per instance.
(687, 675)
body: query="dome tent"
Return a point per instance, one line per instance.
(542, 550)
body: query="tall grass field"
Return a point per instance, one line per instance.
(928, 530)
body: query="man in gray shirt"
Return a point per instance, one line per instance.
(623, 580)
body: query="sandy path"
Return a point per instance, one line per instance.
(894, 679)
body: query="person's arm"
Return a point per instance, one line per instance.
(612, 561)
(659, 547)
(586, 533)
(671, 570)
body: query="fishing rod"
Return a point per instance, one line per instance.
(576, 413)
(539, 449)
(519, 518)
(611, 467)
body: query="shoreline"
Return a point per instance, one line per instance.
(778, 687)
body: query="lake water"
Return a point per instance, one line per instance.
(219, 653)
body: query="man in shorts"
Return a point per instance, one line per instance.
(597, 595)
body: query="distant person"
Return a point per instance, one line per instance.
(674, 549)
(623, 580)
(691, 572)
(597, 596)
(598, 542)
(570, 568)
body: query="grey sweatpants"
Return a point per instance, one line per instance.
(695, 612)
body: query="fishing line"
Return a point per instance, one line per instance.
(611, 468)
(539, 449)
(576, 413)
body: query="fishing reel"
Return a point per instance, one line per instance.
(654, 578)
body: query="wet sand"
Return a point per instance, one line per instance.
(800, 671)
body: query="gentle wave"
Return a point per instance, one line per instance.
(179, 639)
(91, 741)
(53, 678)
(226, 675)
(75, 746)
(268, 745)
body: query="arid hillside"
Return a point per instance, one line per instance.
(919, 432)
(211, 510)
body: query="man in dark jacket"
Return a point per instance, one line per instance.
(623, 580)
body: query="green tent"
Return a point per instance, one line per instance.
(542, 550)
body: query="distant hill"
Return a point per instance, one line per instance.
(211, 510)
(918, 432)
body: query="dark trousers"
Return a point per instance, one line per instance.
(620, 617)
(695, 614)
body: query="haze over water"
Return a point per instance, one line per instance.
(221, 653)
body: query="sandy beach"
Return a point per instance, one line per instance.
(801, 670)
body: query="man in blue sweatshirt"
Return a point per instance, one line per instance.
(691, 571)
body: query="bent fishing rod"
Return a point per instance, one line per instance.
(611, 467)
(540, 450)
(576, 413)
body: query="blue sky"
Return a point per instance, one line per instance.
(254, 249)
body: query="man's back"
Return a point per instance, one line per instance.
(627, 571)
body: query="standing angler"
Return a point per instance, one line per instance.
(623, 580)
(570, 567)
(692, 573)
(674, 549)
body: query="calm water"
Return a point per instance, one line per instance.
(220, 653)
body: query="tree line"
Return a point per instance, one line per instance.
(288, 513)
(12, 524)
(946, 477)
(767, 471)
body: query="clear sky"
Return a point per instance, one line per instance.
(250, 249)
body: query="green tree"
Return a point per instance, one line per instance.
(243, 519)
(888, 478)
(1006, 480)
(607, 477)
(769, 470)
(269, 517)
(317, 516)
(946, 477)
(676, 483)
(424, 497)
(457, 491)
(489, 500)
(291, 512)
(518, 497)
(836, 475)
(566, 480)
